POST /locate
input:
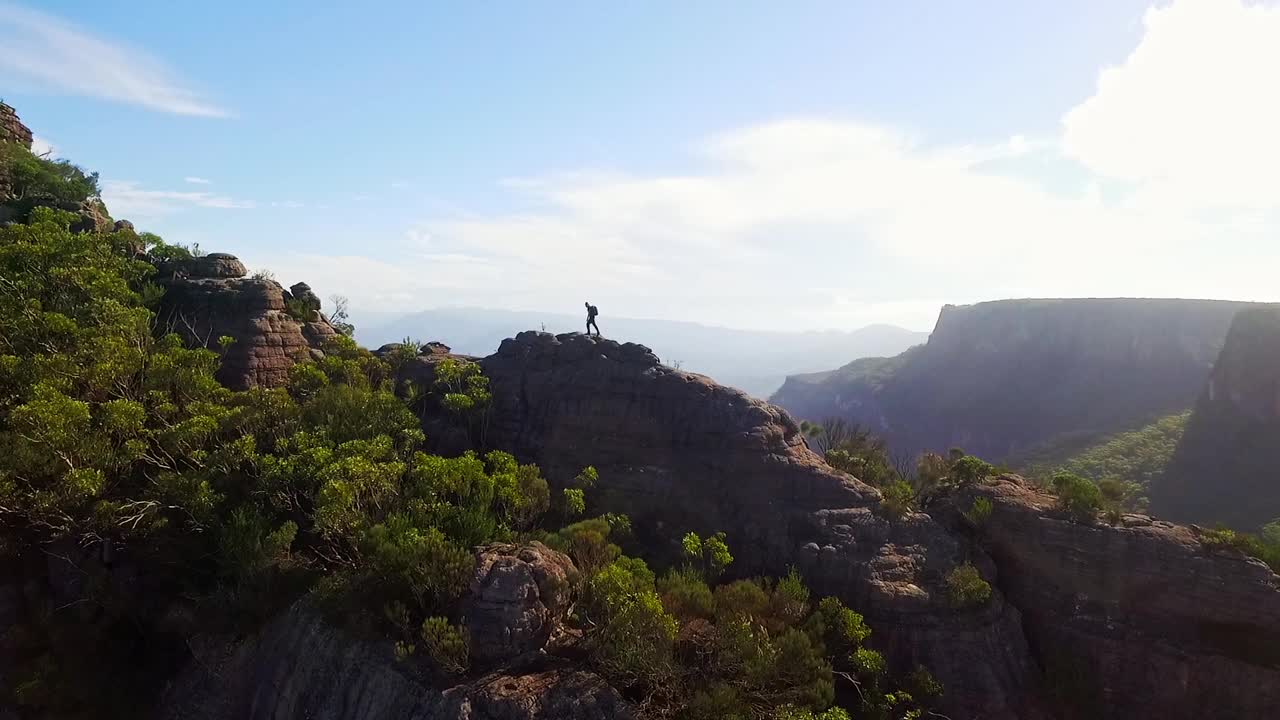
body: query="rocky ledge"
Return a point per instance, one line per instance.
(1139, 619)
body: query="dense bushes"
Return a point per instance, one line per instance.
(1264, 546)
(1135, 458)
(904, 486)
(35, 181)
(239, 501)
(750, 648)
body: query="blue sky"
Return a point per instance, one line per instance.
(770, 165)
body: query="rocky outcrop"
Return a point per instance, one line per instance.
(999, 378)
(301, 666)
(11, 128)
(212, 265)
(303, 295)
(518, 596)
(207, 298)
(678, 452)
(1135, 620)
(1226, 468)
(11, 131)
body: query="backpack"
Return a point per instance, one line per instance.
(592, 311)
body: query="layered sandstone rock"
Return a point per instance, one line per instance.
(207, 298)
(11, 131)
(11, 128)
(1136, 620)
(677, 452)
(518, 596)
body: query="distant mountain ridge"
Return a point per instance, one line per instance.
(1001, 377)
(755, 361)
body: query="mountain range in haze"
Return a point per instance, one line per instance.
(755, 361)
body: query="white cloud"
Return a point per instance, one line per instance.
(197, 180)
(127, 199)
(1163, 184)
(288, 204)
(51, 54)
(1192, 116)
(42, 146)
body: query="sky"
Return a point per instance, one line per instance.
(762, 165)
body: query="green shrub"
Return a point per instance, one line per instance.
(299, 309)
(635, 644)
(446, 644)
(898, 499)
(966, 588)
(36, 181)
(587, 543)
(1263, 547)
(969, 470)
(979, 512)
(685, 595)
(710, 556)
(1078, 497)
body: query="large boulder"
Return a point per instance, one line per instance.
(519, 594)
(305, 299)
(91, 216)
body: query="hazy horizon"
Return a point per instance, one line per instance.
(878, 162)
(377, 317)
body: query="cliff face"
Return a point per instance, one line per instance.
(1137, 620)
(677, 452)
(1000, 377)
(1226, 469)
(209, 297)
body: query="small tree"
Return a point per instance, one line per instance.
(898, 499)
(1080, 498)
(710, 557)
(966, 588)
(340, 316)
(446, 644)
(970, 470)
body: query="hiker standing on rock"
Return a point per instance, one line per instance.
(592, 312)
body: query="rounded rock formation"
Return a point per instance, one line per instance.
(519, 593)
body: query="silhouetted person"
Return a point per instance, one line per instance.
(592, 312)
